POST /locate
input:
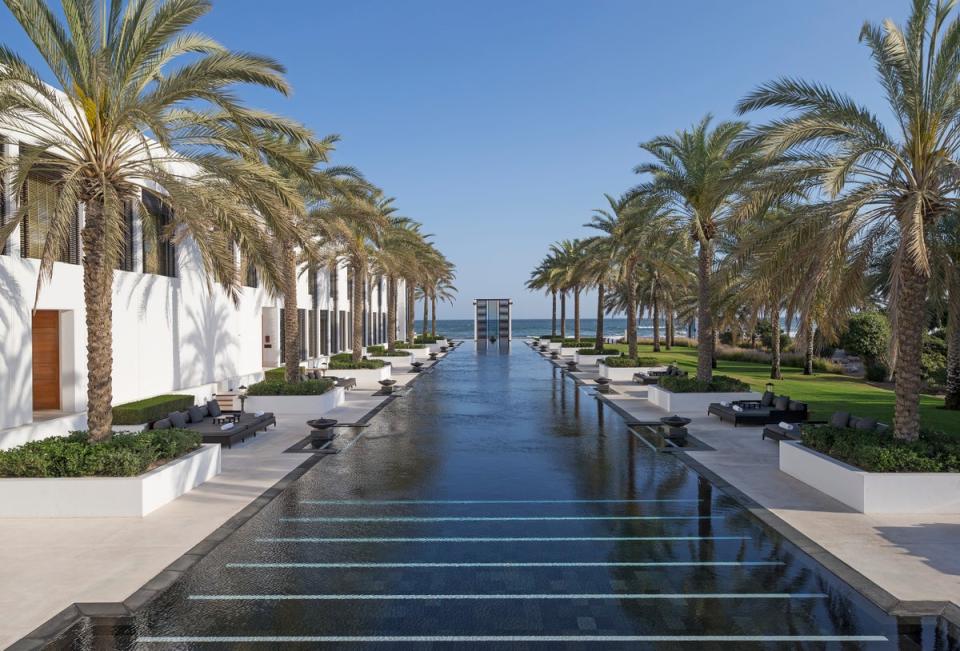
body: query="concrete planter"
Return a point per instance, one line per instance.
(108, 497)
(367, 378)
(397, 362)
(418, 353)
(677, 402)
(623, 374)
(872, 492)
(554, 345)
(569, 351)
(312, 406)
(588, 360)
(129, 428)
(543, 341)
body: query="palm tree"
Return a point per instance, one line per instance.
(699, 173)
(349, 225)
(902, 182)
(446, 292)
(123, 77)
(400, 243)
(542, 277)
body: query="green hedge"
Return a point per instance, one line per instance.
(627, 362)
(123, 455)
(602, 351)
(344, 361)
(148, 409)
(381, 351)
(427, 339)
(282, 388)
(406, 346)
(719, 384)
(880, 452)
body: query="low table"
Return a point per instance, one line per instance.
(226, 418)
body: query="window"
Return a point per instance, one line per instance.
(248, 272)
(40, 197)
(127, 259)
(312, 339)
(324, 332)
(159, 253)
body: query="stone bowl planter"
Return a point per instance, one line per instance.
(387, 385)
(416, 367)
(603, 385)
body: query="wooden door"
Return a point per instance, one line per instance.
(46, 360)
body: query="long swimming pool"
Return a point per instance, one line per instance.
(499, 505)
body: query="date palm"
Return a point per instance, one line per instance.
(543, 278)
(700, 172)
(900, 182)
(128, 70)
(400, 244)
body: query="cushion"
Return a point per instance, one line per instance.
(866, 423)
(797, 406)
(852, 423)
(839, 419)
(781, 403)
(196, 414)
(163, 423)
(178, 418)
(767, 399)
(213, 407)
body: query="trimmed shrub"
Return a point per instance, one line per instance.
(876, 371)
(425, 339)
(148, 409)
(628, 362)
(880, 452)
(123, 455)
(867, 335)
(405, 346)
(280, 374)
(603, 351)
(719, 384)
(282, 388)
(344, 361)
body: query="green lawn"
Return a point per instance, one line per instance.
(824, 392)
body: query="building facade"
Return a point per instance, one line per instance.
(173, 331)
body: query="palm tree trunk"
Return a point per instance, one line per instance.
(952, 399)
(553, 326)
(98, 302)
(704, 316)
(715, 344)
(426, 311)
(356, 312)
(599, 336)
(775, 373)
(911, 317)
(433, 316)
(291, 321)
(670, 325)
(576, 313)
(411, 306)
(808, 352)
(656, 322)
(631, 290)
(563, 315)
(391, 313)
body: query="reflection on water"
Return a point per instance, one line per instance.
(499, 504)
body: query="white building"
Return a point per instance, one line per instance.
(170, 332)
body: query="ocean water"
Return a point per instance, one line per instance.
(463, 328)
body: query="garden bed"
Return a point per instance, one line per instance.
(129, 475)
(871, 492)
(622, 369)
(689, 394)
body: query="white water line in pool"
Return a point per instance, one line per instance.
(637, 596)
(488, 539)
(646, 564)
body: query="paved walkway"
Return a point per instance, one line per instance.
(913, 557)
(70, 560)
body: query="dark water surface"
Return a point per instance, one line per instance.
(497, 505)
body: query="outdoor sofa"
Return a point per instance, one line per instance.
(769, 409)
(201, 419)
(778, 432)
(653, 376)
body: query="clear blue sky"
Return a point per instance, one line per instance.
(500, 125)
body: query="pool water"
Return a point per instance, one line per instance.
(499, 505)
